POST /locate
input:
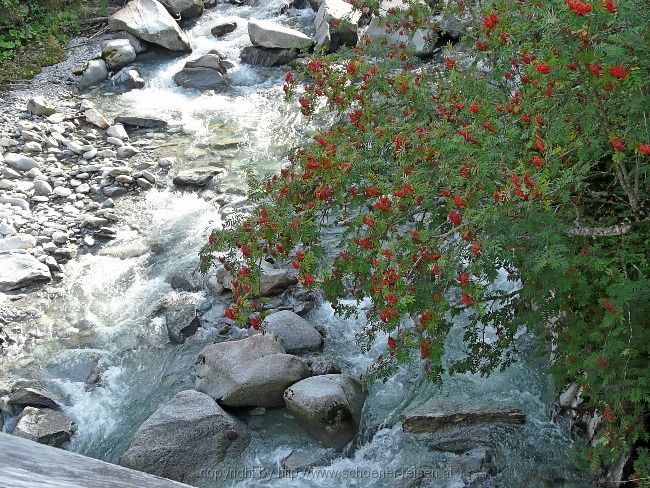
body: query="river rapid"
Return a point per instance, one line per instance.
(101, 310)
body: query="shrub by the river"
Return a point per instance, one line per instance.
(525, 150)
(33, 33)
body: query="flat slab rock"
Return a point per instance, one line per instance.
(19, 269)
(27, 464)
(429, 418)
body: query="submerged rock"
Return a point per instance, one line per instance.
(268, 34)
(150, 21)
(252, 372)
(141, 122)
(45, 426)
(19, 269)
(223, 28)
(185, 437)
(328, 406)
(297, 334)
(201, 79)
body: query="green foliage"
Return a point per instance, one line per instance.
(525, 152)
(33, 33)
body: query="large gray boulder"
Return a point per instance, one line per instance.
(251, 372)
(205, 73)
(184, 8)
(264, 33)
(95, 72)
(297, 334)
(45, 426)
(260, 56)
(20, 162)
(328, 406)
(336, 24)
(185, 437)
(117, 53)
(19, 268)
(150, 21)
(201, 79)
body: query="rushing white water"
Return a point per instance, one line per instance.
(101, 313)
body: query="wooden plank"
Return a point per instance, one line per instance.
(28, 464)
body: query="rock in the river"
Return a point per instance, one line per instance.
(118, 53)
(19, 269)
(323, 366)
(205, 73)
(94, 117)
(297, 334)
(20, 162)
(186, 281)
(141, 122)
(180, 311)
(32, 397)
(264, 33)
(45, 426)
(213, 60)
(150, 21)
(328, 406)
(185, 437)
(250, 372)
(194, 177)
(201, 79)
(128, 79)
(223, 28)
(40, 106)
(430, 418)
(95, 72)
(336, 24)
(267, 57)
(185, 8)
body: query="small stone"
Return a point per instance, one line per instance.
(62, 191)
(42, 187)
(118, 132)
(20, 162)
(40, 106)
(114, 141)
(93, 116)
(89, 241)
(60, 237)
(126, 151)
